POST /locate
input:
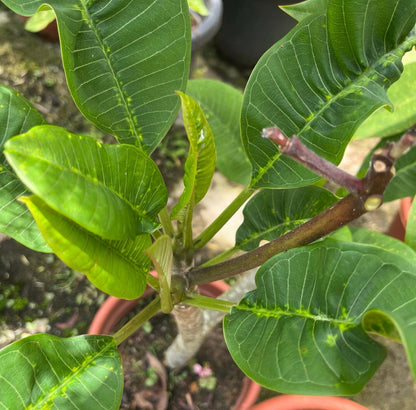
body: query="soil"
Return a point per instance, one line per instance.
(210, 381)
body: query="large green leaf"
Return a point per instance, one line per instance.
(403, 183)
(123, 61)
(272, 213)
(402, 95)
(223, 116)
(302, 330)
(17, 115)
(200, 164)
(45, 372)
(118, 268)
(382, 241)
(305, 85)
(114, 191)
(410, 236)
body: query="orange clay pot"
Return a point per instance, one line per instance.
(114, 309)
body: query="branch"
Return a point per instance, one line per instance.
(366, 195)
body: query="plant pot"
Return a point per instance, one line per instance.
(398, 226)
(209, 25)
(202, 33)
(295, 402)
(114, 309)
(250, 27)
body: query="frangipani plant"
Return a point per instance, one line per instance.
(102, 208)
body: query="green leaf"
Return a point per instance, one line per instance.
(223, 116)
(272, 213)
(200, 164)
(114, 191)
(382, 241)
(123, 62)
(403, 183)
(118, 268)
(17, 115)
(304, 85)
(15, 219)
(40, 20)
(161, 254)
(301, 331)
(304, 9)
(402, 95)
(45, 372)
(198, 6)
(410, 236)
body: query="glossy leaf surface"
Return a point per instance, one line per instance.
(403, 183)
(17, 115)
(114, 191)
(382, 241)
(123, 62)
(222, 105)
(305, 86)
(200, 163)
(118, 268)
(402, 95)
(44, 372)
(301, 331)
(410, 236)
(272, 213)
(161, 255)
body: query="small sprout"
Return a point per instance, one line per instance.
(208, 383)
(151, 378)
(147, 327)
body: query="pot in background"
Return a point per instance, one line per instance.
(296, 402)
(208, 26)
(114, 309)
(202, 32)
(398, 226)
(250, 27)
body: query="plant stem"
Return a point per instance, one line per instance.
(205, 302)
(137, 321)
(294, 148)
(164, 218)
(153, 282)
(221, 257)
(338, 215)
(223, 218)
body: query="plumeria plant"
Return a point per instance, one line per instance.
(320, 291)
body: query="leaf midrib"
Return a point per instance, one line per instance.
(137, 209)
(121, 92)
(277, 313)
(278, 227)
(399, 51)
(66, 381)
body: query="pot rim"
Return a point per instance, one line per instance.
(298, 402)
(113, 309)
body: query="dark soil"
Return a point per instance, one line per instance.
(149, 385)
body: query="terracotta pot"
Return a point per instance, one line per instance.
(113, 310)
(295, 402)
(49, 33)
(398, 227)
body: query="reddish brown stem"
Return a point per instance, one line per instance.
(294, 148)
(340, 214)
